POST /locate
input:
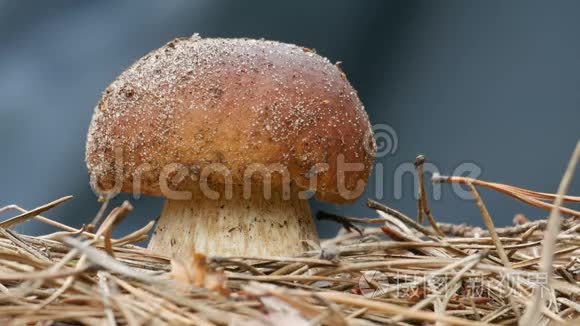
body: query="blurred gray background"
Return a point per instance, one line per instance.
(490, 82)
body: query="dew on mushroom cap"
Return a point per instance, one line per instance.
(149, 106)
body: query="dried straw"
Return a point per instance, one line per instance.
(386, 270)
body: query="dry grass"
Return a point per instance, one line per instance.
(387, 270)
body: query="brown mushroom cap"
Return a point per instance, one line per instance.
(235, 102)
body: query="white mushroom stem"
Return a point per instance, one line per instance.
(236, 227)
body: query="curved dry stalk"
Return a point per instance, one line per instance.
(32, 213)
(550, 236)
(529, 197)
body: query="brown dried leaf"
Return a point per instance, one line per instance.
(196, 272)
(199, 268)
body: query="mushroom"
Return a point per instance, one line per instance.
(236, 134)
